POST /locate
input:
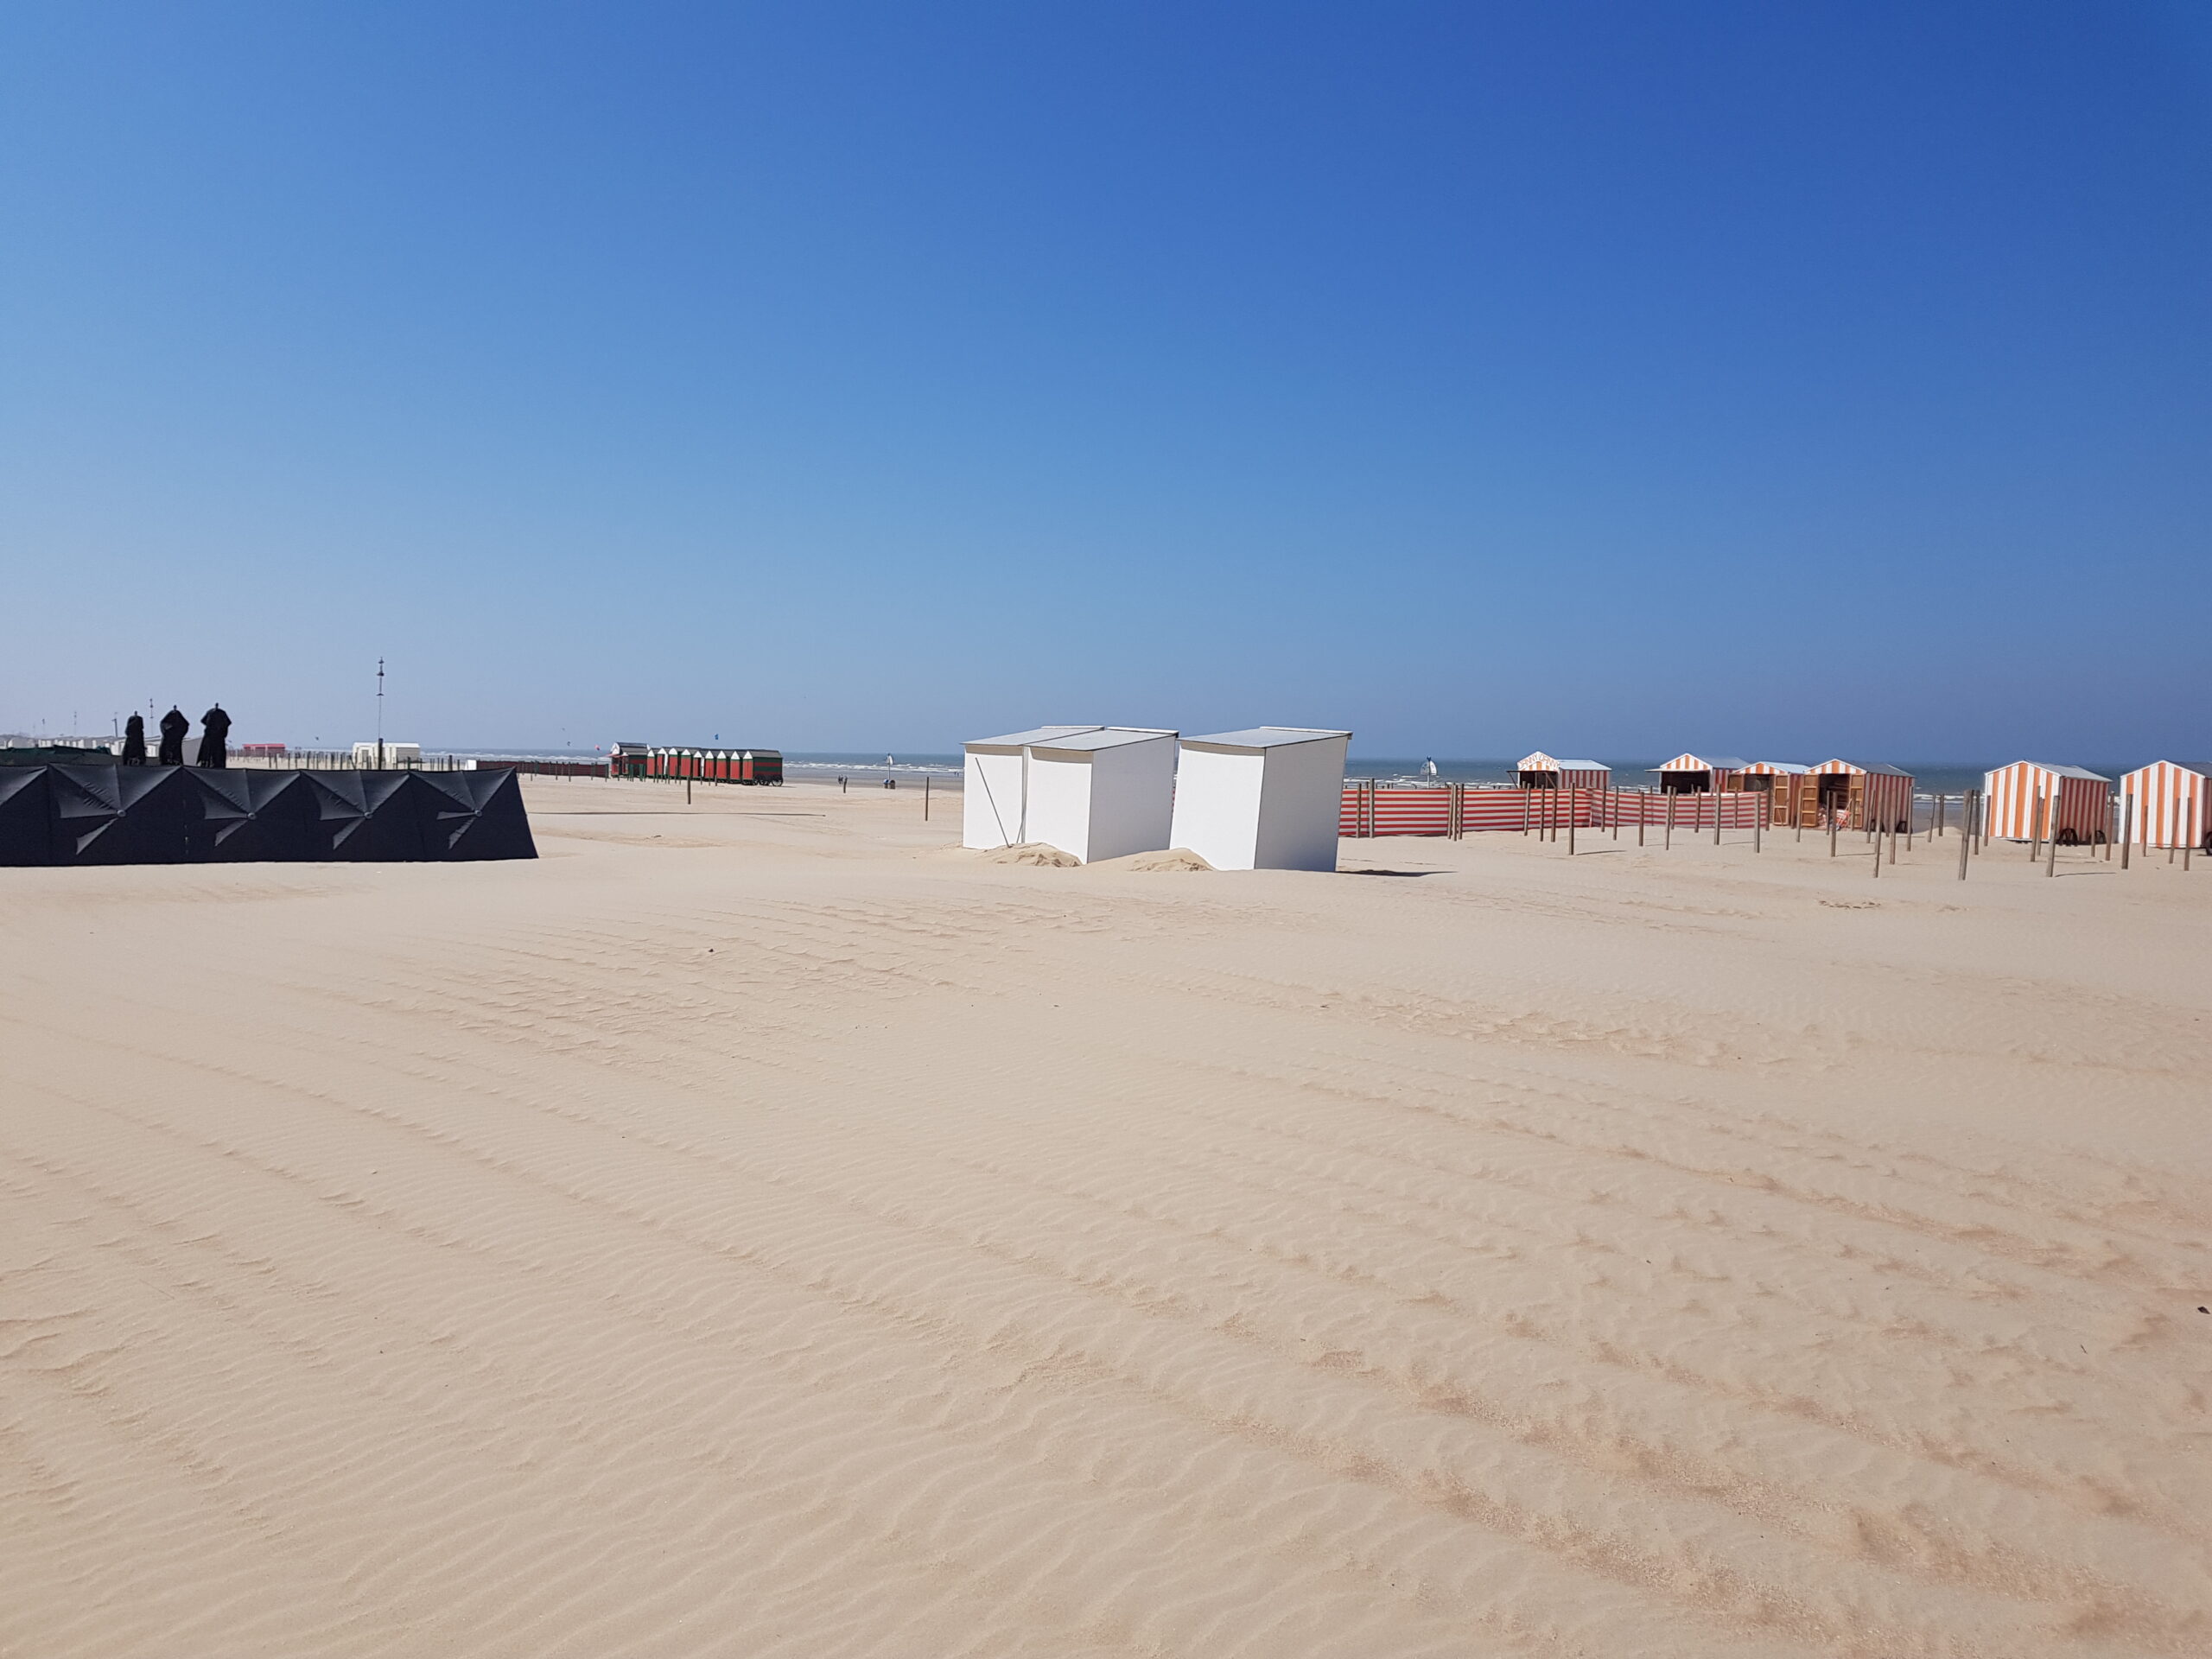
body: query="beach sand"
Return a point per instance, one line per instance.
(761, 1228)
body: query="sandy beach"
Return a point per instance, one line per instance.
(763, 1227)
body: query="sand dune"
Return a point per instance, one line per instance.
(763, 1229)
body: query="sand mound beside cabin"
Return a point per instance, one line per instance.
(1031, 852)
(1175, 858)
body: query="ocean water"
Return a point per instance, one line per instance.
(874, 767)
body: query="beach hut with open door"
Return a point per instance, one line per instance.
(2032, 800)
(1542, 771)
(995, 796)
(2172, 806)
(1860, 794)
(1781, 782)
(1265, 798)
(1103, 794)
(1700, 774)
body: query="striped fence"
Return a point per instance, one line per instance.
(1455, 809)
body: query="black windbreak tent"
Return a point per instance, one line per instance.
(26, 834)
(185, 815)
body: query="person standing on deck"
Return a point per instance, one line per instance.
(134, 741)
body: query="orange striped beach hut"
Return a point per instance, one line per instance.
(1781, 782)
(2031, 800)
(1699, 774)
(1862, 794)
(2172, 806)
(1541, 771)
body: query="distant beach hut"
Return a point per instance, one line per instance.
(2172, 807)
(1099, 791)
(995, 797)
(1265, 798)
(1859, 795)
(690, 762)
(392, 754)
(2033, 799)
(1699, 774)
(1541, 771)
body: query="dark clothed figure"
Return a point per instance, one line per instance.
(214, 737)
(134, 741)
(174, 724)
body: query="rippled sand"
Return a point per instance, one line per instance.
(746, 1233)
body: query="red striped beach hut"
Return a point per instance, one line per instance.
(2172, 806)
(1862, 794)
(1542, 771)
(1700, 774)
(2030, 800)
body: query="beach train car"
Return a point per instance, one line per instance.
(1701, 774)
(712, 765)
(1856, 794)
(2032, 800)
(1541, 771)
(2167, 805)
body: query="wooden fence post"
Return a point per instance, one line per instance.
(1667, 845)
(1965, 841)
(2126, 826)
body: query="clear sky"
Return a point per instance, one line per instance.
(1793, 379)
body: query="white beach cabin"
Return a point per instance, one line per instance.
(1094, 792)
(395, 754)
(995, 794)
(1103, 794)
(1262, 799)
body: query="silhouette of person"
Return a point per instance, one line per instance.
(174, 724)
(134, 741)
(214, 733)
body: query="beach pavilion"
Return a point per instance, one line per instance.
(2030, 800)
(1264, 798)
(1542, 771)
(1700, 774)
(1861, 794)
(2167, 805)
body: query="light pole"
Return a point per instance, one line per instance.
(379, 714)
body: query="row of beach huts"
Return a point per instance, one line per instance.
(2162, 804)
(1275, 798)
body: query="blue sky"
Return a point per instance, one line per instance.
(1600, 377)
